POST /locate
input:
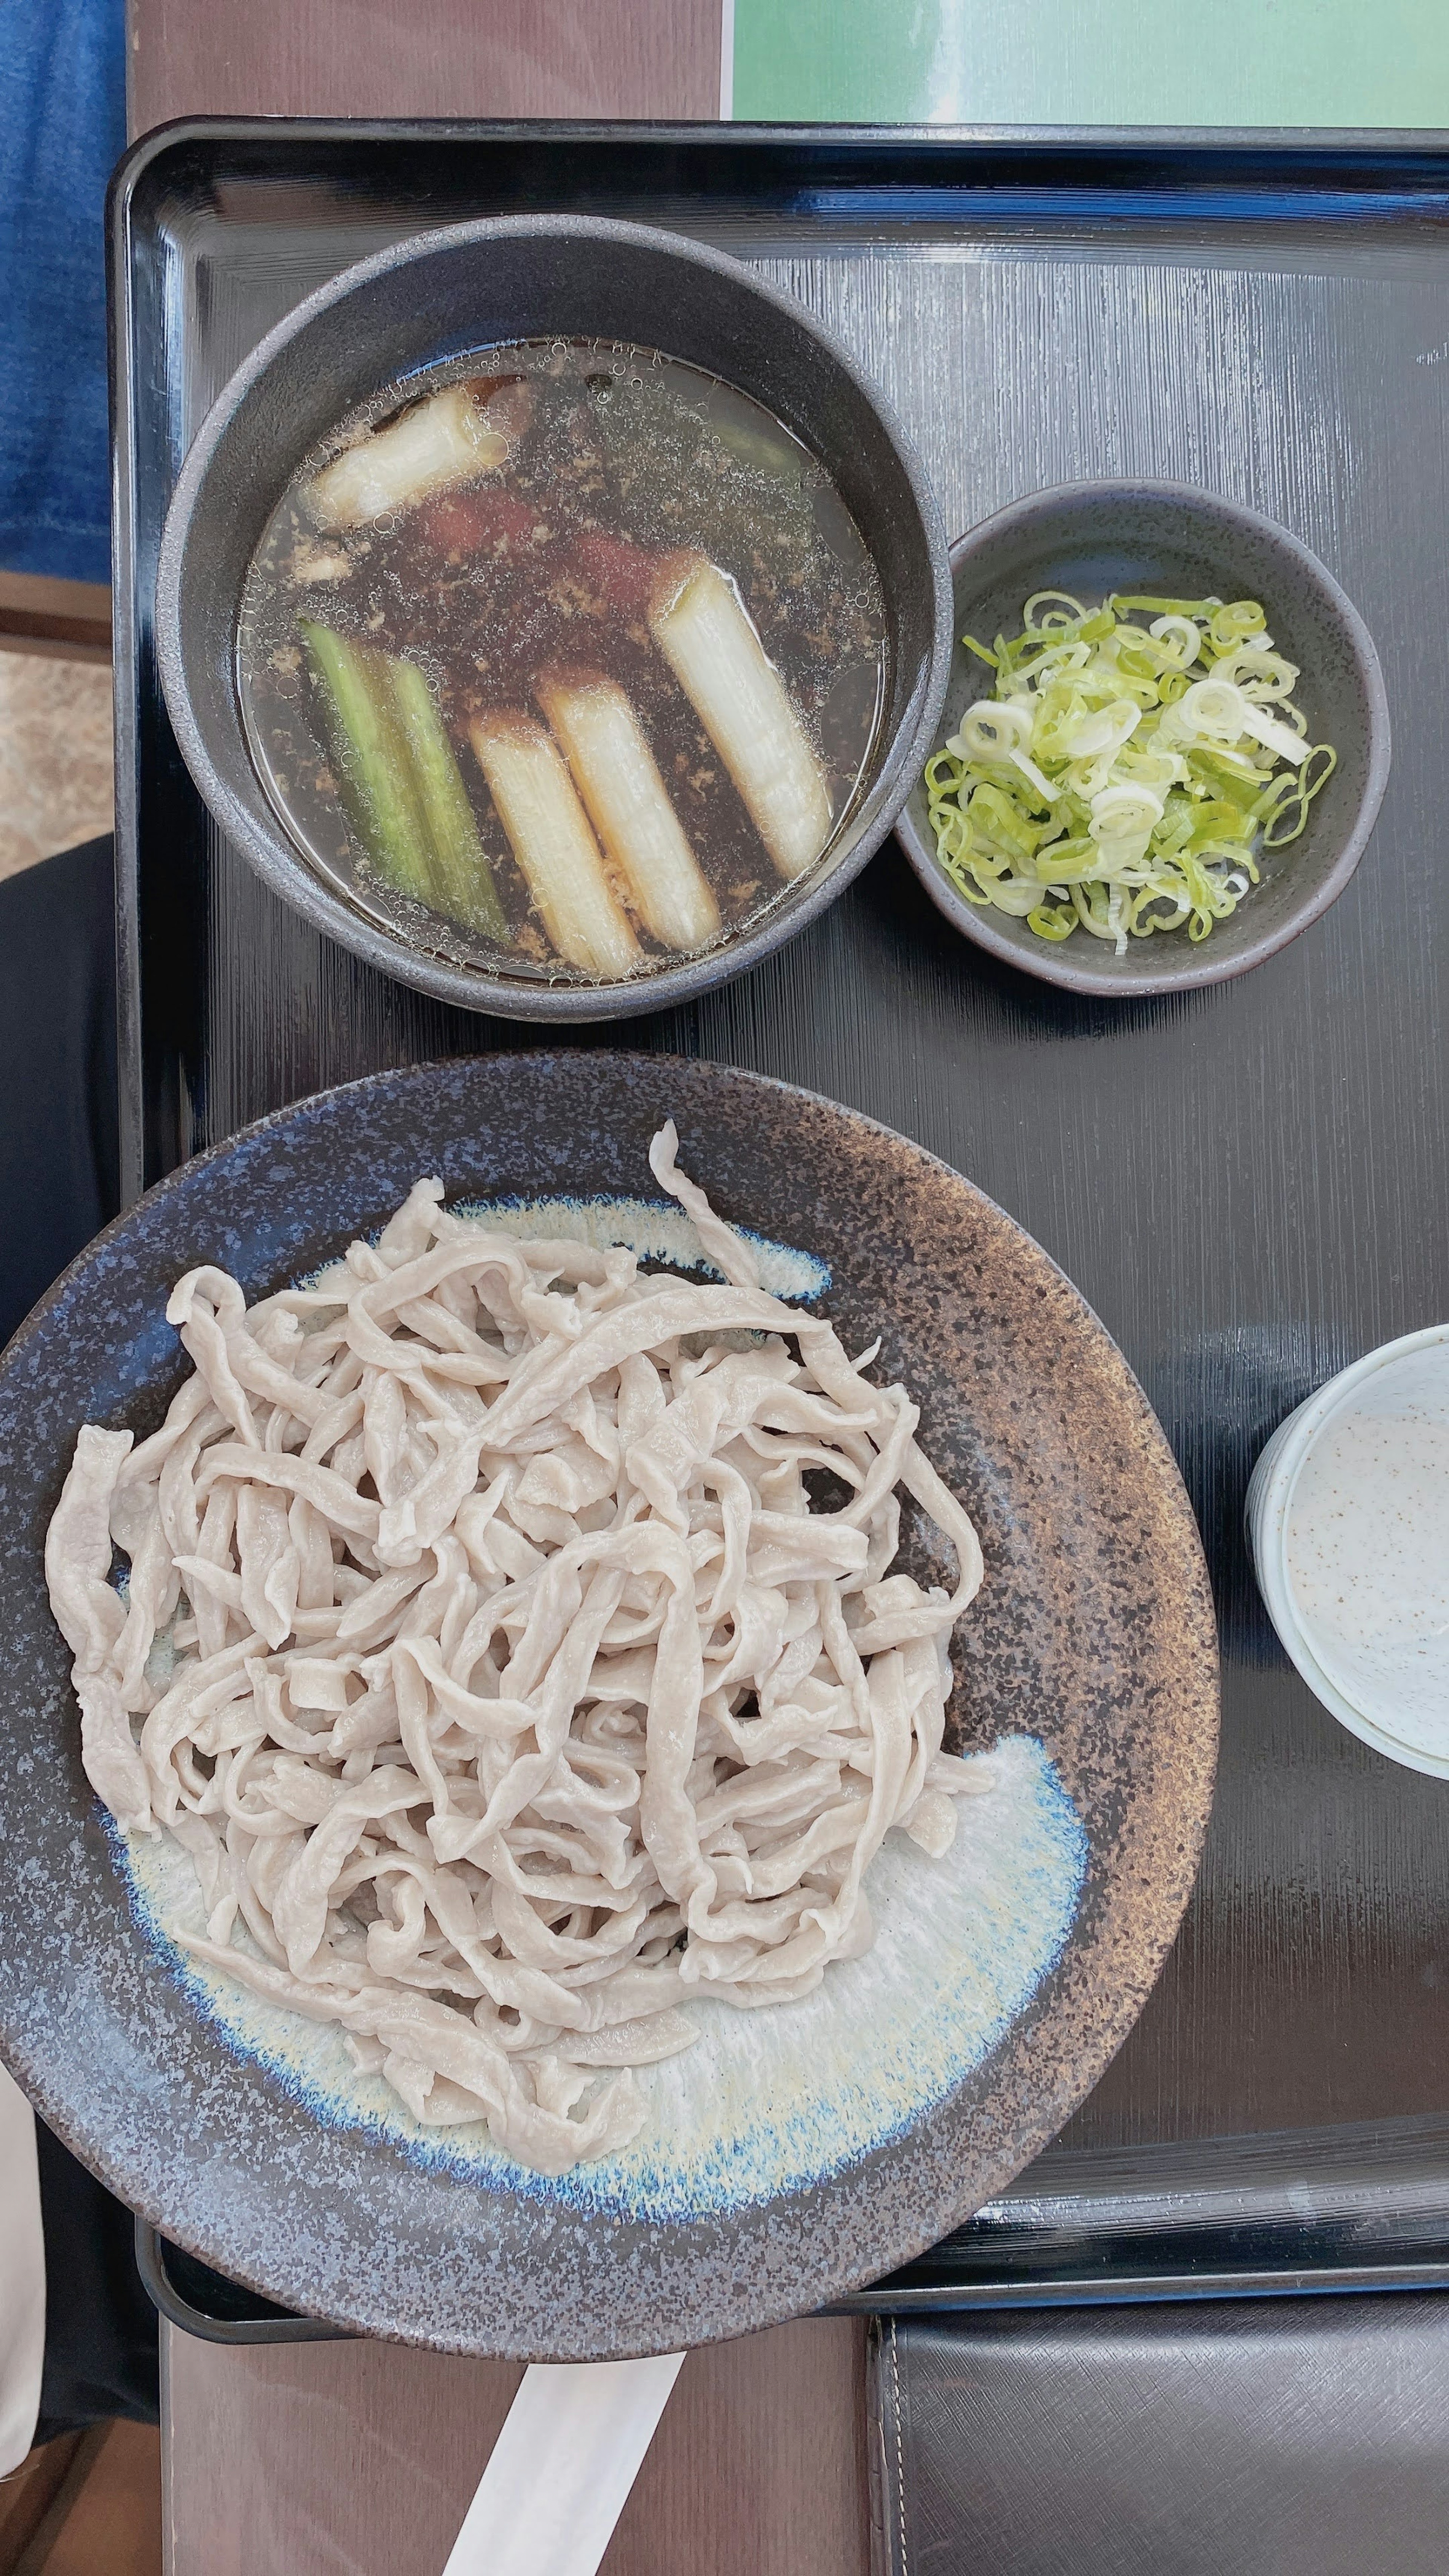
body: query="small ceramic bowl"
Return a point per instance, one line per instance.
(1376, 1670)
(1170, 540)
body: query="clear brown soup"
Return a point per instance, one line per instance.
(568, 567)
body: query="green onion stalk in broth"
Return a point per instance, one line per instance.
(399, 779)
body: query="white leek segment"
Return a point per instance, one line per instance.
(628, 804)
(450, 438)
(701, 627)
(549, 834)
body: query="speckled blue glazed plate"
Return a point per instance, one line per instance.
(791, 2156)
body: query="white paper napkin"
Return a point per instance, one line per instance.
(562, 2468)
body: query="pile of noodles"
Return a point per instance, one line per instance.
(484, 1647)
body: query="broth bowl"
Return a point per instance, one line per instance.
(432, 302)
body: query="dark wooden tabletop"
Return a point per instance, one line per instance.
(427, 58)
(360, 2459)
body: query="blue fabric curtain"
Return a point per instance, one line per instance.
(62, 128)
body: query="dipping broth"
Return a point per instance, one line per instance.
(571, 667)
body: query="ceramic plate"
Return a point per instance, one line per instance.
(792, 2155)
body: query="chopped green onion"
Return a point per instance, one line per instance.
(1120, 777)
(1199, 610)
(1301, 797)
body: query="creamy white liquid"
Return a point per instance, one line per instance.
(1367, 1548)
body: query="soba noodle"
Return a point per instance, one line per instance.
(495, 1665)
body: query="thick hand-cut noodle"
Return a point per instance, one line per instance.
(485, 1649)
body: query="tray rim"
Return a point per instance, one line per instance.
(1071, 2191)
(887, 2299)
(1414, 141)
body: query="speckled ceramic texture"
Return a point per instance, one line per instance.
(439, 296)
(1170, 540)
(1092, 1639)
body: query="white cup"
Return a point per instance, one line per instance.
(1267, 1513)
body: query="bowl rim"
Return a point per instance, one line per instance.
(272, 854)
(1266, 1508)
(1199, 966)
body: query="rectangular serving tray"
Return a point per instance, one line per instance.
(1249, 1184)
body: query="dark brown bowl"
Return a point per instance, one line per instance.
(440, 296)
(1170, 539)
(1090, 1651)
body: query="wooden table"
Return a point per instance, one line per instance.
(424, 58)
(314, 2459)
(360, 2459)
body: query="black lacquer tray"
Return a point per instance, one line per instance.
(1249, 1184)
